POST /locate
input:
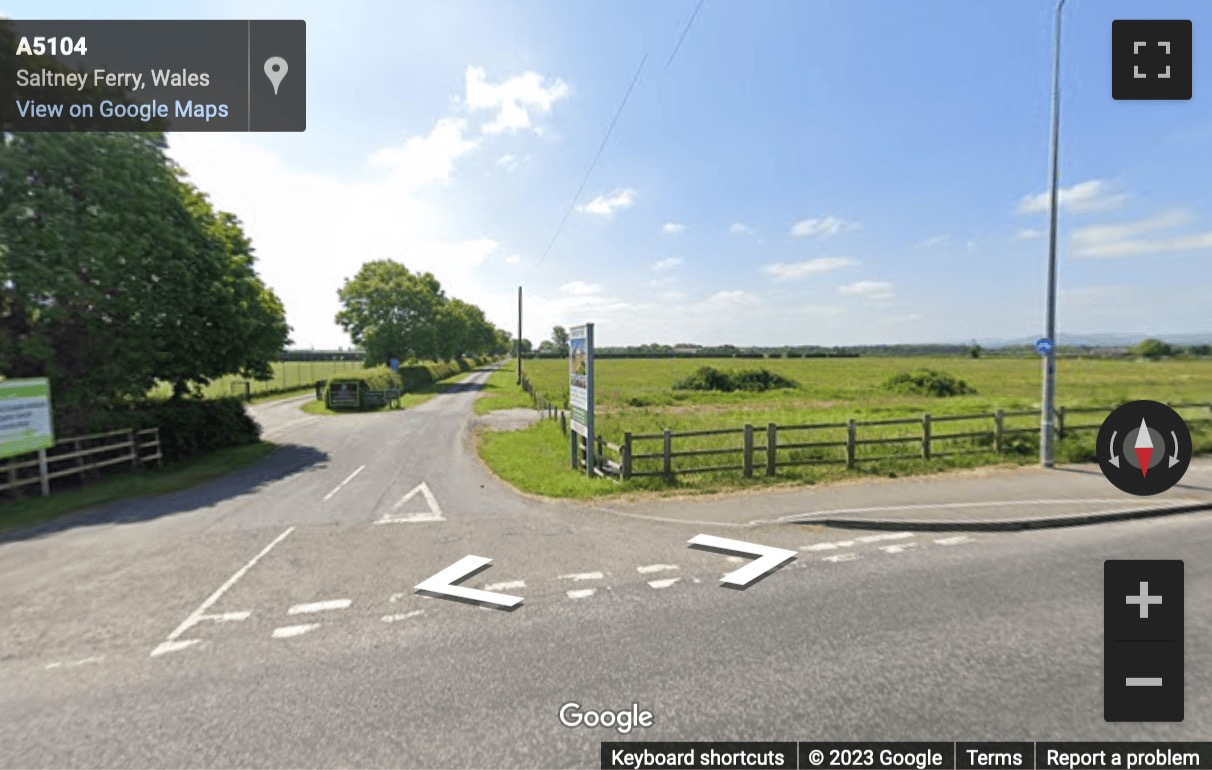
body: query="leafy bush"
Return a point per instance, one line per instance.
(188, 427)
(752, 380)
(928, 382)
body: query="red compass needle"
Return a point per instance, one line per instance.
(1144, 448)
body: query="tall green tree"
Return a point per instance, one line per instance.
(388, 308)
(113, 274)
(559, 337)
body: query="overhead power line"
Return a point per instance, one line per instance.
(572, 204)
(685, 29)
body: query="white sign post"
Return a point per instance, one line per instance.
(25, 421)
(580, 394)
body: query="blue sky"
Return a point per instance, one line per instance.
(839, 172)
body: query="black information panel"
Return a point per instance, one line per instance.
(153, 75)
(926, 755)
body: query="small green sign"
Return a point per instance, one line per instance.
(25, 416)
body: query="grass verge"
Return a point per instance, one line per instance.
(24, 513)
(501, 391)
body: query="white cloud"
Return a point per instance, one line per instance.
(869, 290)
(669, 263)
(1123, 239)
(513, 98)
(792, 270)
(313, 229)
(513, 259)
(509, 162)
(422, 160)
(673, 228)
(731, 298)
(740, 228)
(1083, 197)
(936, 240)
(1029, 234)
(607, 204)
(822, 227)
(581, 289)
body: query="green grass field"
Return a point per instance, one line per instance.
(288, 376)
(638, 396)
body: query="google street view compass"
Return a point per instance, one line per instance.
(1144, 448)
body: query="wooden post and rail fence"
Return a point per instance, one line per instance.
(748, 451)
(81, 456)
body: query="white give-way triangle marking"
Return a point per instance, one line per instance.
(433, 514)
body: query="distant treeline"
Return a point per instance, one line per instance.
(322, 355)
(813, 351)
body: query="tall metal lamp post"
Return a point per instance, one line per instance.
(1047, 409)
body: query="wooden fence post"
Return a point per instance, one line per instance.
(42, 473)
(667, 455)
(926, 436)
(747, 463)
(625, 456)
(601, 450)
(772, 437)
(1060, 423)
(851, 431)
(134, 450)
(999, 422)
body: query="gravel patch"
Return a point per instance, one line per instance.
(509, 419)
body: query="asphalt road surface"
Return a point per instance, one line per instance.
(270, 620)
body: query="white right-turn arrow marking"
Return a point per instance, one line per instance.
(769, 558)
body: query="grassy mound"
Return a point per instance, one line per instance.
(928, 382)
(752, 380)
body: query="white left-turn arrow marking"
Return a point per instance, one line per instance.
(769, 558)
(442, 585)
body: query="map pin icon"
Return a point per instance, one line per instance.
(275, 70)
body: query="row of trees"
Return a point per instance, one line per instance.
(389, 310)
(116, 272)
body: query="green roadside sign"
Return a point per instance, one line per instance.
(25, 416)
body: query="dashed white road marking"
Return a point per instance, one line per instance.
(348, 479)
(663, 583)
(164, 647)
(331, 604)
(954, 540)
(581, 593)
(227, 617)
(285, 632)
(583, 576)
(655, 568)
(736, 559)
(898, 548)
(171, 644)
(401, 616)
(833, 545)
(849, 556)
(883, 536)
(74, 663)
(505, 585)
